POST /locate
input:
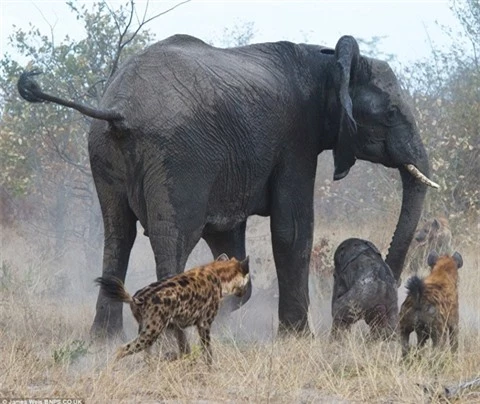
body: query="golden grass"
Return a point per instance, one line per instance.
(39, 357)
(280, 370)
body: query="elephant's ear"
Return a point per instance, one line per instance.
(347, 55)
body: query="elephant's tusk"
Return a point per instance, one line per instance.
(419, 176)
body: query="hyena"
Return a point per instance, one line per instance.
(431, 306)
(188, 299)
(363, 288)
(434, 235)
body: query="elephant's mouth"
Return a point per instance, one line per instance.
(419, 176)
(372, 152)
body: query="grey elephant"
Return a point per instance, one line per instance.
(191, 140)
(364, 288)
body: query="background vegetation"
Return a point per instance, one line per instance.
(52, 233)
(45, 176)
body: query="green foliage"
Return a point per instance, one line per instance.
(446, 98)
(70, 352)
(240, 34)
(47, 140)
(43, 147)
(371, 48)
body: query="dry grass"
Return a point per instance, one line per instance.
(40, 355)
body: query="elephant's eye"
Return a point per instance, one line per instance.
(391, 115)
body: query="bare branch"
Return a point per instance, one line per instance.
(52, 27)
(122, 44)
(114, 16)
(454, 390)
(63, 156)
(166, 11)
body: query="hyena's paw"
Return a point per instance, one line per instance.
(121, 352)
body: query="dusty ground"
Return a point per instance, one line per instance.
(47, 305)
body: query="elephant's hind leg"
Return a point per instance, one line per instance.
(120, 232)
(232, 243)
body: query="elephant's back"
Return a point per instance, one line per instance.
(176, 76)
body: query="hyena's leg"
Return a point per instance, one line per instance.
(204, 333)
(183, 345)
(404, 338)
(453, 336)
(422, 337)
(338, 328)
(438, 337)
(144, 340)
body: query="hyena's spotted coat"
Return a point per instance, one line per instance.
(188, 299)
(431, 306)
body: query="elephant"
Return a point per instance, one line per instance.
(363, 288)
(190, 140)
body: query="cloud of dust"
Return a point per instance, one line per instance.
(34, 259)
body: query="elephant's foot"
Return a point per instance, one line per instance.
(101, 331)
(298, 329)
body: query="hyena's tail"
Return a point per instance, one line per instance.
(114, 289)
(416, 288)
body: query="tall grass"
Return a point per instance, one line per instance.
(45, 350)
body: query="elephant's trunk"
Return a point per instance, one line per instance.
(412, 202)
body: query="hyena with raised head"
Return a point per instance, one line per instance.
(188, 299)
(434, 235)
(431, 306)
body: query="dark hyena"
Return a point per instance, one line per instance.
(363, 288)
(188, 299)
(431, 306)
(434, 235)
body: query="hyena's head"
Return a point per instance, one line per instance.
(435, 233)
(234, 275)
(445, 264)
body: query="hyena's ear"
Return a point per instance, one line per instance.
(244, 265)
(223, 257)
(458, 259)
(432, 258)
(435, 224)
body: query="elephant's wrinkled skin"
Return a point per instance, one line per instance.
(363, 288)
(191, 140)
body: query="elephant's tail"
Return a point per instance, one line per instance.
(114, 289)
(31, 91)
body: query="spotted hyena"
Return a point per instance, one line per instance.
(434, 235)
(364, 288)
(188, 299)
(431, 306)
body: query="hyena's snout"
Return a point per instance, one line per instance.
(245, 285)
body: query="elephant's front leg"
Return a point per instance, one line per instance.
(292, 231)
